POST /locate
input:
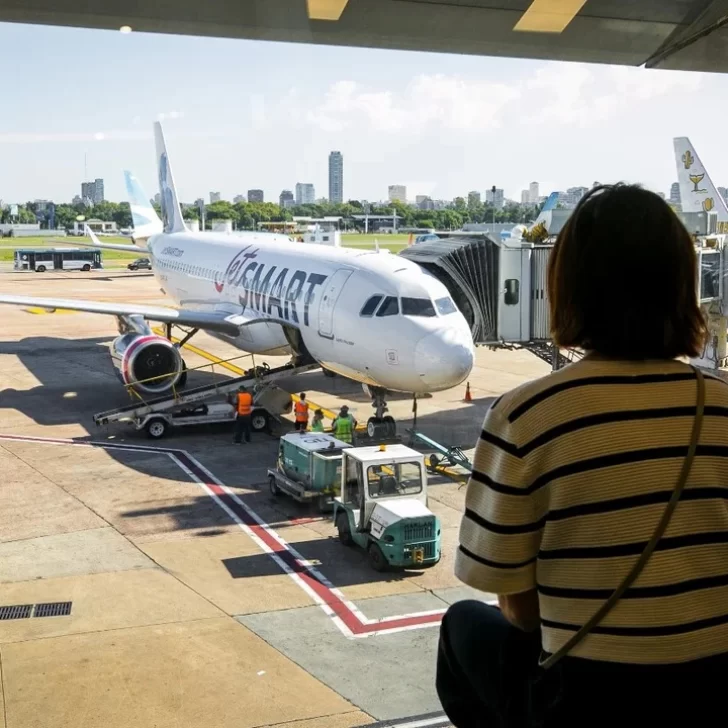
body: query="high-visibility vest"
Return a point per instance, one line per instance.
(301, 411)
(344, 428)
(245, 403)
(317, 426)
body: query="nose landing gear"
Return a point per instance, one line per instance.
(381, 425)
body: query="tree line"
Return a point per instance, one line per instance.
(246, 215)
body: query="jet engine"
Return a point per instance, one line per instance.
(149, 363)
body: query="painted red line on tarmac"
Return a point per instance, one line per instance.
(337, 605)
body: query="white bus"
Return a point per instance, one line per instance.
(43, 259)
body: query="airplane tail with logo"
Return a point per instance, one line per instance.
(172, 219)
(697, 191)
(146, 220)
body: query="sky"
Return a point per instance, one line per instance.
(251, 114)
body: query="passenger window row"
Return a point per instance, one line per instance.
(390, 306)
(194, 270)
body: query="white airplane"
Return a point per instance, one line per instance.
(377, 319)
(697, 191)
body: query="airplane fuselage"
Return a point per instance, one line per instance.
(412, 339)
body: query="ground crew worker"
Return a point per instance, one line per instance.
(244, 408)
(317, 423)
(344, 425)
(301, 410)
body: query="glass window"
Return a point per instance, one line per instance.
(387, 481)
(417, 307)
(389, 307)
(370, 306)
(512, 288)
(445, 306)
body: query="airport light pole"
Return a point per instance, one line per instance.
(492, 191)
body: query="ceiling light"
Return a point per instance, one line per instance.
(549, 16)
(125, 29)
(326, 9)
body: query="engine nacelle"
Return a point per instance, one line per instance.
(149, 363)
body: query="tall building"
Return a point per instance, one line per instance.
(425, 203)
(496, 199)
(239, 198)
(286, 199)
(525, 197)
(93, 192)
(574, 194)
(397, 193)
(157, 199)
(723, 192)
(305, 193)
(215, 197)
(474, 199)
(255, 196)
(675, 193)
(533, 193)
(336, 177)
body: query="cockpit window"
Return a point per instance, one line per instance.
(370, 306)
(389, 307)
(417, 307)
(445, 306)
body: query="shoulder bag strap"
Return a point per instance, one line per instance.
(652, 543)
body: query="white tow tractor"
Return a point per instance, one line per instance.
(383, 507)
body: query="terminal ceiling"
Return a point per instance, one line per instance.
(673, 34)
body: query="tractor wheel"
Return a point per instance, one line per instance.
(377, 560)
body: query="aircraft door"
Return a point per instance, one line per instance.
(331, 294)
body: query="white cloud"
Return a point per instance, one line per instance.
(560, 94)
(449, 101)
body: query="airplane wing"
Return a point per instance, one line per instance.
(225, 323)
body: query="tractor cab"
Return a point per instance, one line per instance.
(383, 506)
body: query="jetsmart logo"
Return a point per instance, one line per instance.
(269, 290)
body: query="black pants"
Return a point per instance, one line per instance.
(488, 677)
(300, 425)
(242, 427)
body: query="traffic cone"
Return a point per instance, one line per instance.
(468, 396)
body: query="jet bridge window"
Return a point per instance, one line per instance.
(512, 288)
(417, 307)
(389, 307)
(370, 306)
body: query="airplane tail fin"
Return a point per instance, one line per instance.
(548, 206)
(697, 191)
(172, 219)
(146, 220)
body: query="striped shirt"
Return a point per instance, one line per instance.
(571, 475)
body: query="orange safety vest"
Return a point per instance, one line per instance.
(245, 403)
(301, 411)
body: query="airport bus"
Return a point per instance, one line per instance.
(43, 259)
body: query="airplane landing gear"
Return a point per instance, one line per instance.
(380, 425)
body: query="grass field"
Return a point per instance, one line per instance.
(115, 258)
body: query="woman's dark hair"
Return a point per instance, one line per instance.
(622, 278)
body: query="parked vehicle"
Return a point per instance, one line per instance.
(140, 264)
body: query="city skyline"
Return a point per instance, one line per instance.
(438, 124)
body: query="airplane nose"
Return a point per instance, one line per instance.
(444, 359)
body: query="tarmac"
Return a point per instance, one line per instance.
(189, 595)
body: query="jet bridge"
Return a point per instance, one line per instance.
(501, 289)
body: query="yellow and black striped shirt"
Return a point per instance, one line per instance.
(571, 476)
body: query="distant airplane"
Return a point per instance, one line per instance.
(377, 319)
(697, 191)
